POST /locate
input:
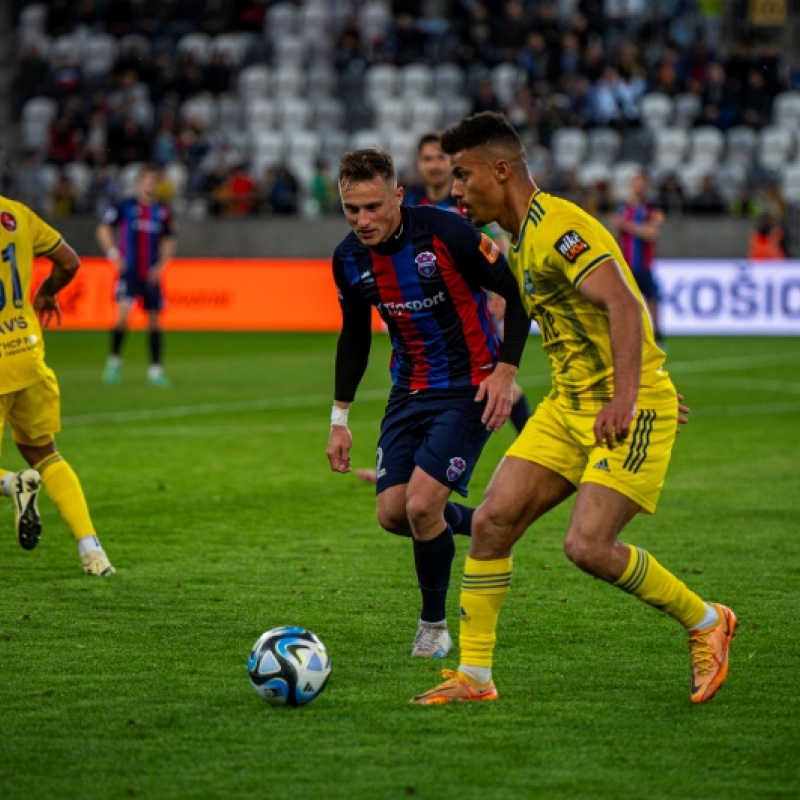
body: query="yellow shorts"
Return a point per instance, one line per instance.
(563, 440)
(34, 413)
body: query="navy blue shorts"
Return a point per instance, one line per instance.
(131, 288)
(438, 430)
(646, 283)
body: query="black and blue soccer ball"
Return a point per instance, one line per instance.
(289, 666)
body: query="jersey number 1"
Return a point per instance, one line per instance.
(10, 255)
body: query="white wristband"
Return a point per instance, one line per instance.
(112, 253)
(339, 416)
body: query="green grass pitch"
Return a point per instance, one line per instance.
(216, 504)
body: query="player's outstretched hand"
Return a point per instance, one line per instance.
(497, 390)
(46, 308)
(683, 413)
(613, 423)
(339, 445)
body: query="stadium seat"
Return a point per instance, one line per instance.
(590, 173)
(266, 147)
(775, 147)
(365, 138)
(287, 80)
(334, 144)
(294, 113)
(65, 49)
(260, 113)
(229, 112)
(786, 110)
(790, 182)
(425, 114)
(402, 144)
(279, 21)
(289, 49)
(79, 175)
(233, 45)
(604, 145)
(126, 180)
(670, 145)
(99, 54)
(380, 80)
(202, 108)
(448, 80)
(303, 144)
(655, 110)
(416, 80)
(32, 18)
(690, 176)
(328, 113)
(706, 145)
(198, 44)
(506, 79)
(687, 108)
(320, 80)
(454, 109)
(389, 113)
(177, 175)
(39, 110)
(740, 144)
(731, 179)
(568, 146)
(621, 176)
(255, 81)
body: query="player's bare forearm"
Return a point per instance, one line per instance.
(498, 391)
(340, 443)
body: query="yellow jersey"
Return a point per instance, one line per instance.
(559, 244)
(23, 235)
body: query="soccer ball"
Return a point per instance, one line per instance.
(288, 666)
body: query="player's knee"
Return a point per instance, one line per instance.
(393, 522)
(492, 528)
(583, 553)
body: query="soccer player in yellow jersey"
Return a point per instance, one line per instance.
(29, 394)
(605, 431)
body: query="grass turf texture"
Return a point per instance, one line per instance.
(215, 503)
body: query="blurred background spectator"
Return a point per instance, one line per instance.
(704, 96)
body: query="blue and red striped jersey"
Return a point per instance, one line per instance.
(428, 283)
(638, 253)
(140, 228)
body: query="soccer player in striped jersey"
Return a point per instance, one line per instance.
(138, 235)
(29, 393)
(426, 271)
(604, 432)
(638, 224)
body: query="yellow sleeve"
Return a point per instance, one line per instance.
(577, 245)
(45, 239)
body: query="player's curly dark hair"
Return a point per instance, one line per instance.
(485, 129)
(359, 166)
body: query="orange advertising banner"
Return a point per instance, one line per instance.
(295, 294)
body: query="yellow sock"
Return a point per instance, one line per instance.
(651, 583)
(485, 587)
(64, 489)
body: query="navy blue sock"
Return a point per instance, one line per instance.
(156, 346)
(433, 560)
(520, 413)
(117, 338)
(459, 518)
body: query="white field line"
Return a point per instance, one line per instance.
(310, 401)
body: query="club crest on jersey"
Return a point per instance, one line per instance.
(456, 468)
(8, 221)
(571, 246)
(528, 283)
(426, 263)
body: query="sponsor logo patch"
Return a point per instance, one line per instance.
(571, 246)
(426, 263)
(456, 468)
(489, 249)
(8, 221)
